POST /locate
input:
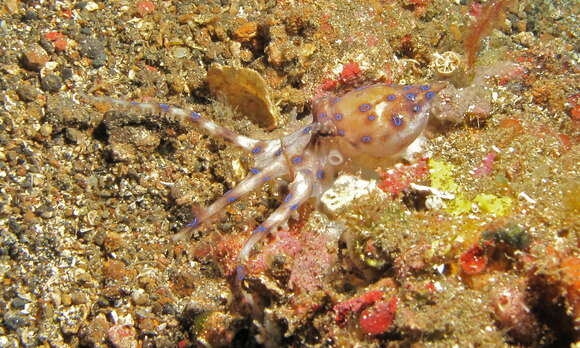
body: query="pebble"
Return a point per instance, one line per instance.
(51, 83)
(15, 321)
(73, 135)
(95, 50)
(18, 303)
(122, 336)
(95, 333)
(34, 58)
(78, 298)
(27, 93)
(139, 297)
(29, 16)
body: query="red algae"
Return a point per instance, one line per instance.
(378, 318)
(487, 17)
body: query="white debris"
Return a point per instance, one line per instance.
(346, 189)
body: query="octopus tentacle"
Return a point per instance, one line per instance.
(255, 179)
(300, 191)
(180, 114)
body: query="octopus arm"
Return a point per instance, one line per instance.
(253, 181)
(181, 115)
(300, 190)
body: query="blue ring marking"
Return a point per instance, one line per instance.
(411, 96)
(366, 139)
(322, 115)
(364, 107)
(165, 107)
(134, 103)
(193, 223)
(294, 207)
(195, 115)
(257, 149)
(320, 174)
(338, 117)
(391, 97)
(266, 178)
(397, 120)
(278, 152)
(231, 199)
(372, 117)
(307, 130)
(416, 108)
(425, 87)
(297, 160)
(429, 95)
(335, 100)
(260, 228)
(361, 88)
(406, 88)
(254, 170)
(340, 132)
(287, 198)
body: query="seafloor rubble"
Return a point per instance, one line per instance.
(476, 244)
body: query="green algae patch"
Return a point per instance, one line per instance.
(442, 176)
(492, 204)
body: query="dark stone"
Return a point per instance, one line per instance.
(27, 93)
(51, 83)
(14, 322)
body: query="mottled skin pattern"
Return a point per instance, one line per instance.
(362, 129)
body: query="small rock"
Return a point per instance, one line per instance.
(144, 8)
(15, 321)
(78, 297)
(95, 333)
(34, 58)
(46, 130)
(29, 16)
(51, 83)
(70, 326)
(140, 298)
(122, 336)
(73, 135)
(66, 300)
(95, 50)
(27, 93)
(18, 303)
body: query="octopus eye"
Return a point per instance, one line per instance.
(397, 120)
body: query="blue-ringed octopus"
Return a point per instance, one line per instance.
(365, 128)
